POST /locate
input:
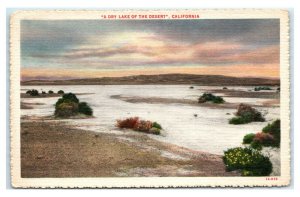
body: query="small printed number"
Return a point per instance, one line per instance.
(272, 179)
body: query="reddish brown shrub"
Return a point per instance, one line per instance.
(143, 125)
(140, 125)
(265, 139)
(129, 123)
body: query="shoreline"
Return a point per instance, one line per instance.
(56, 149)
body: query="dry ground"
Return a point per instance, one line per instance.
(54, 149)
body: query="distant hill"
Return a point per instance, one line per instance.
(169, 79)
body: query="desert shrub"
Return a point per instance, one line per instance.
(191, 87)
(84, 108)
(274, 130)
(251, 162)
(246, 114)
(50, 92)
(69, 105)
(140, 125)
(262, 88)
(265, 139)
(43, 92)
(143, 125)
(32, 92)
(249, 112)
(225, 88)
(156, 125)
(70, 96)
(248, 138)
(270, 136)
(237, 120)
(208, 97)
(60, 92)
(61, 100)
(128, 123)
(256, 145)
(66, 109)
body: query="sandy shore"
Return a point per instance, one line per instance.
(52, 148)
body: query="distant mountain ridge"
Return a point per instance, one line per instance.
(164, 79)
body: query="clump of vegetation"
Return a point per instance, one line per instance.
(50, 92)
(191, 87)
(84, 108)
(140, 125)
(274, 130)
(43, 92)
(251, 162)
(66, 109)
(262, 88)
(69, 105)
(246, 114)
(270, 136)
(60, 92)
(208, 97)
(248, 138)
(225, 88)
(33, 92)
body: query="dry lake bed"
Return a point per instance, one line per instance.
(187, 125)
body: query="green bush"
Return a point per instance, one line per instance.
(237, 120)
(70, 96)
(65, 110)
(256, 145)
(208, 97)
(60, 92)
(50, 92)
(270, 136)
(251, 162)
(248, 138)
(156, 125)
(84, 108)
(69, 105)
(262, 88)
(274, 130)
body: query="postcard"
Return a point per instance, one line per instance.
(149, 98)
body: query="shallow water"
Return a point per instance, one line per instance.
(209, 131)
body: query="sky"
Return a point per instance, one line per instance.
(69, 49)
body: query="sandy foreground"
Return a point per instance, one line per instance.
(51, 148)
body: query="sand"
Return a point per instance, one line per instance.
(54, 149)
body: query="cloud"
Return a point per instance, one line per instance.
(110, 46)
(140, 49)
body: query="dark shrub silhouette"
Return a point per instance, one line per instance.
(84, 108)
(32, 92)
(208, 97)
